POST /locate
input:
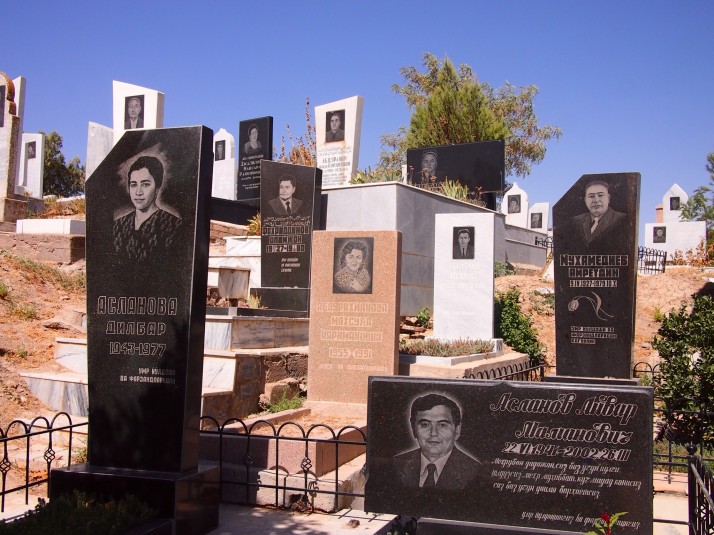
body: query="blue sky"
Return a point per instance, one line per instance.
(630, 83)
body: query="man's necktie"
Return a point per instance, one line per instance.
(287, 207)
(463, 253)
(430, 480)
(592, 229)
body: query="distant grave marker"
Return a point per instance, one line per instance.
(338, 127)
(255, 143)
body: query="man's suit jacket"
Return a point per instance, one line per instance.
(608, 233)
(278, 207)
(337, 136)
(469, 252)
(459, 472)
(139, 123)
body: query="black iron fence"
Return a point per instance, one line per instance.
(651, 261)
(546, 242)
(292, 465)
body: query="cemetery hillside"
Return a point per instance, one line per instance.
(38, 302)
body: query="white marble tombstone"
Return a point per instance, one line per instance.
(135, 107)
(672, 203)
(675, 236)
(100, 140)
(224, 166)
(338, 126)
(515, 206)
(32, 166)
(538, 217)
(463, 276)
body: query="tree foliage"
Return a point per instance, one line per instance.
(700, 206)
(61, 178)
(510, 105)
(685, 343)
(456, 111)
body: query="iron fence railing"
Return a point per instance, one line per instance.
(651, 261)
(290, 465)
(546, 242)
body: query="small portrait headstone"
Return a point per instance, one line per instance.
(354, 313)
(338, 128)
(514, 204)
(30, 150)
(659, 234)
(594, 240)
(134, 117)
(519, 454)
(290, 207)
(255, 142)
(480, 166)
(352, 265)
(674, 203)
(463, 276)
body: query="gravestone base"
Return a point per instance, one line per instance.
(297, 299)
(12, 209)
(190, 498)
(433, 526)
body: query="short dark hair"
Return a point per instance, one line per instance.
(463, 231)
(351, 246)
(429, 401)
(596, 183)
(151, 164)
(251, 127)
(133, 98)
(287, 178)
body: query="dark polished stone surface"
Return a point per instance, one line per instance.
(287, 238)
(191, 498)
(596, 275)
(591, 380)
(479, 165)
(294, 300)
(146, 295)
(248, 156)
(530, 455)
(236, 212)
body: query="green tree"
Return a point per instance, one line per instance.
(685, 343)
(512, 105)
(700, 206)
(61, 178)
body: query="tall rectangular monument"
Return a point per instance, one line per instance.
(147, 266)
(595, 252)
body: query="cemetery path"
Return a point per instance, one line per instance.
(655, 294)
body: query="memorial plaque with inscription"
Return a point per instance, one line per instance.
(354, 312)
(532, 455)
(595, 251)
(147, 262)
(463, 276)
(255, 143)
(289, 207)
(480, 166)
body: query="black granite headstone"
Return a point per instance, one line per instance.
(255, 143)
(546, 456)
(290, 209)
(480, 166)
(595, 252)
(147, 265)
